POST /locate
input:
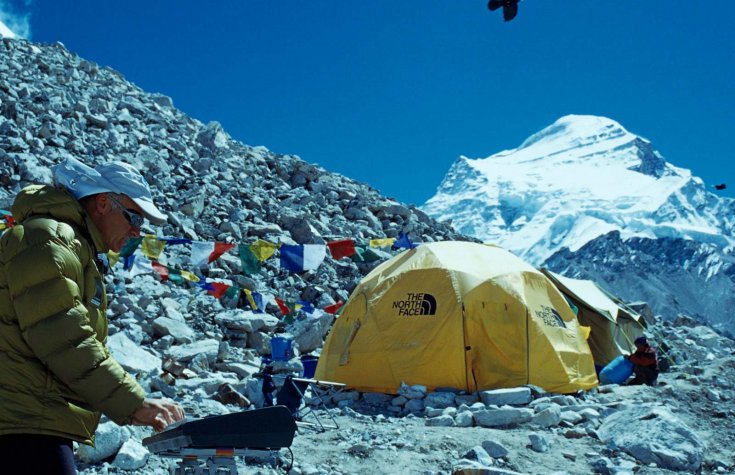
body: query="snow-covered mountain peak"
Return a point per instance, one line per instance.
(573, 131)
(579, 178)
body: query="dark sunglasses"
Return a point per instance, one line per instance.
(135, 219)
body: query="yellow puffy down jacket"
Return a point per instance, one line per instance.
(56, 375)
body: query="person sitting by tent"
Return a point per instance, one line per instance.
(645, 363)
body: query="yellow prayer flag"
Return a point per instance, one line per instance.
(263, 249)
(385, 242)
(113, 257)
(152, 247)
(189, 276)
(249, 296)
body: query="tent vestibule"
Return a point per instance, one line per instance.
(613, 328)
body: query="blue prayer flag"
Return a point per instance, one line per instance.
(173, 241)
(403, 242)
(258, 298)
(302, 258)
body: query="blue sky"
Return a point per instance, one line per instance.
(391, 92)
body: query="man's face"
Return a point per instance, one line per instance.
(112, 220)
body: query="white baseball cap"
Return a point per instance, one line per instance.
(116, 177)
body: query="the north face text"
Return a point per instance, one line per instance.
(416, 304)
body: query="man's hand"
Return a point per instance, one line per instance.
(157, 413)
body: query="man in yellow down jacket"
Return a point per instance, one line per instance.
(56, 375)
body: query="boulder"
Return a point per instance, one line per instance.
(179, 330)
(503, 417)
(399, 401)
(549, 417)
(417, 391)
(376, 399)
(440, 421)
(496, 450)
(479, 454)
(186, 353)
(439, 400)
(131, 356)
(464, 419)
(414, 405)
(131, 456)
(308, 334)
(468, 399)
(506, 396)
(571, 417)
(652, 434)
(226, 394)
(539, 442)
(107, 441)
(469, 467)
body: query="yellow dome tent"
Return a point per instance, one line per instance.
(461, 315)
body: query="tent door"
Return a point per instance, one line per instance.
(471, 384)
(496, 332)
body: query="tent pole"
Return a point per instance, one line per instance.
(528, 352)
(467, 366)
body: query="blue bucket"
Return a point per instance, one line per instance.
(309, 363)
(617, 371)
(281, 348)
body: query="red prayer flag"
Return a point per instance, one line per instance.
(282, 306)
(342, 248)
(161, 269)
(334, 308)
(219, 289)
(219, 249)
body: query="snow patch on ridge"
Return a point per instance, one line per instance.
(6, 32)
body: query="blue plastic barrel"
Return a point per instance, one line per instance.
(309, 363)
(281, 348)
(617, 371)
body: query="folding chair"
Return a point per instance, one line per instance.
(292, 393)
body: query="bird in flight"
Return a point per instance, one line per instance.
(510, 8)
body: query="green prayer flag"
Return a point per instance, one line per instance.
(363, 254)
(175, 277)
(357, 256)
(130, 246)
(368, 255)
(250, 262)
(233, 292)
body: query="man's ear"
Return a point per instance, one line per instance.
(102, 203)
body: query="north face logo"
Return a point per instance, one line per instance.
(550, 317)
(416, 304)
